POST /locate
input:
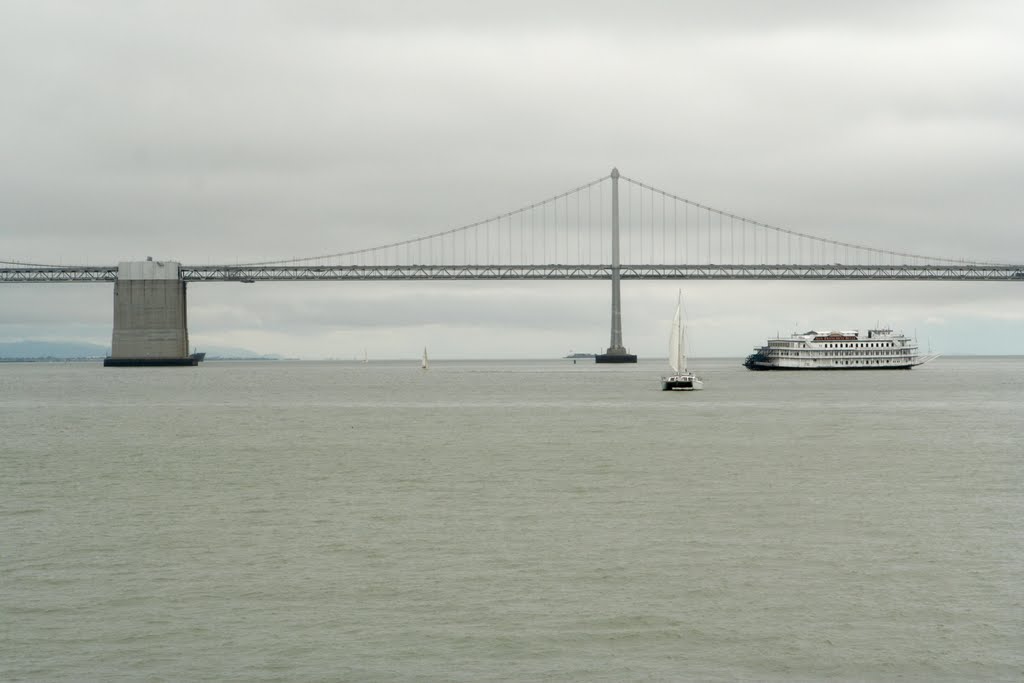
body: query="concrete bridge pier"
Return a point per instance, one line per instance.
(150, 318)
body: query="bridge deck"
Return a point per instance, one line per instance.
(956, 273)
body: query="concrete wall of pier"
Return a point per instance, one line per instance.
(150, 314)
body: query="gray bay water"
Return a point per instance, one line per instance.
(510, 521)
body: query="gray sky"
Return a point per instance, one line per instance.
(239, 131)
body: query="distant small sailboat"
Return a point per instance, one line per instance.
(425, 364)
(366, 359)
(681, 378)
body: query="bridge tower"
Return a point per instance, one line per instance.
(150, 318)
(617, 353)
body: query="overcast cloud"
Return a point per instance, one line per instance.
(210, 132)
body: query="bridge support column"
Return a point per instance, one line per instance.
(150, 318)
(617, 353)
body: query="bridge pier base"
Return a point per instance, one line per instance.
(615, 356)
(150, 316)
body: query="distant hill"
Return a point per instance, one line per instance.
(64, 350)
(215, 352)
(46, 349)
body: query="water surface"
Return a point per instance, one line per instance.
(510, 521)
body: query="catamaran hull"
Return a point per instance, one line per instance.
(672, 384)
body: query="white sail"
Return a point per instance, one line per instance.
(681, 377)
(426, 361)
(675, 344)
(677, 340)
(682, 340)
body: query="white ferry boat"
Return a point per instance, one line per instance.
(842, 350)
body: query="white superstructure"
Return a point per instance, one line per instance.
(838, 350)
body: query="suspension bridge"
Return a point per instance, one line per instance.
(613, 228)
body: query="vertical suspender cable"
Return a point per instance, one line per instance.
(640, 208)
(686, 232)
(652, 259)
(590, 229)
(629, 223)
(709, 236)
(567, 223)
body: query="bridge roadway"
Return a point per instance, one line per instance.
(836, 271)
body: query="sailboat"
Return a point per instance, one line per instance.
(681, 378)
(425, 364)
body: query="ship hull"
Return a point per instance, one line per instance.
(149, 362)
(759, 367)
